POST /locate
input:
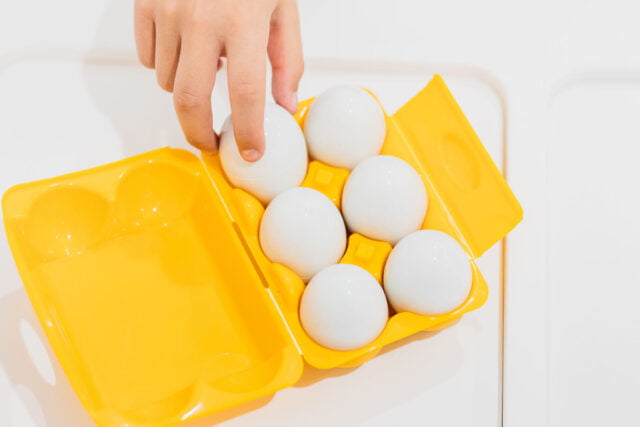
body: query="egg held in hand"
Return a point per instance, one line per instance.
(428, 273)
(303, 230)
(283, 164)
(343, 307)
(384, 199)
(344, 126)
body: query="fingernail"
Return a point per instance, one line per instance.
(294, 101)
(251, 155)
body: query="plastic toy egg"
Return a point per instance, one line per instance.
(303, 230)
(384, 199)
(344, 126)
(427, 272)
(343, 307)
(283, 164)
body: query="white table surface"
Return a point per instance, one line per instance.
(558, 83)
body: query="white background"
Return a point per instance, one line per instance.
(553, 86)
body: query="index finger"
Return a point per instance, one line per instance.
(195, 78)
(246, 70)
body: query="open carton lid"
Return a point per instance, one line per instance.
(150, 284)
(460, 172)
(146, 292)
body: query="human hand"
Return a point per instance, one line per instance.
(184, 41)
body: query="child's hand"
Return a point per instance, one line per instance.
(184, 41)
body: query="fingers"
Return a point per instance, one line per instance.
(144, 30)
(167, 49)
(285, 54)
(246, 71)
(184, 41)
(195, 78)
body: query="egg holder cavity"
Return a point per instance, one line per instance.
(149, 281)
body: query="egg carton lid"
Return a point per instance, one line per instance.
(474, 192)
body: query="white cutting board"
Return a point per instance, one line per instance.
(91, 110)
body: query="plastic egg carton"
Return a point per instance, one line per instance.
(153, 291)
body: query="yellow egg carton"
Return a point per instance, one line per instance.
(150, 284)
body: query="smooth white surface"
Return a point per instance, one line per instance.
(344, 126)
(304, 231)
(384, 199)
(343, 307)
(594, 321)
(427, 272)
(283, 164)
(86, 107)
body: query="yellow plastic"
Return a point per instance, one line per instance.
(151, 286)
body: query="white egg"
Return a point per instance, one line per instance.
(303, 230)
(427, 273)
(344, 126)
(384, 199)
(283, 164)
(343, 307)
